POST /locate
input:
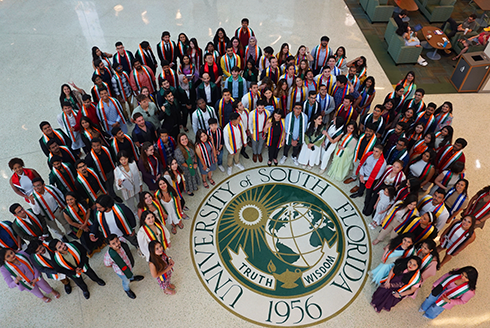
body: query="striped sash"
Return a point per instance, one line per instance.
(115, 146)
(11, 233)
(118, 216)
(453, 292)
(451, 242)
(65, 179)
(98, 164)
(15, 271)
(48, 212)
(458, 203)
(153, 236)
(25, 226)
(103, 116)
(483, 211)
(87, 187)
(42, 262)
(255, 122)
(77, 255)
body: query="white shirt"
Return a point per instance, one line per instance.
(244, 117)
(441, 219)
(237, 132)
(111, 223)
(368, 167)
(247, 104)
(50, 201)
(199, 118)
(26, 184)
(261, 123)
(72, 121)
(207, 91)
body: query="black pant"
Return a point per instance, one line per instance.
(79, 280)
(132, 239)
(370, 200)
(273, 152)
(296, 150)
(109, 184)
(454, 27)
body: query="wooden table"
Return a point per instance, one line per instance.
(485, 6)
(435, 41)
(409, 5)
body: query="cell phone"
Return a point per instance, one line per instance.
(312, 147)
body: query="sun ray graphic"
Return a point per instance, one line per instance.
(244, 220)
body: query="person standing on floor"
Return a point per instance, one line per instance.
(234, 139)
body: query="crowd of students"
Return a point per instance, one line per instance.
(234, 94)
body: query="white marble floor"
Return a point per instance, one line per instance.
(46, 43)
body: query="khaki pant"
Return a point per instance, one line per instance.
(234, 157)
(390, 230)
(58, 214)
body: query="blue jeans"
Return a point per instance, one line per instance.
(431, 309)
(125, 282)
(220, 156)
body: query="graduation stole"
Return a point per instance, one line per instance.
(255, 122)
(25, 226)
(451, 159)
(400, 156)
(16, 179)
(118, 59)
(118, 216)
(66, 150)
(161, 211)
(290, 128)
(345, 142)
(11, 233)
(47, 212)
(87, 187)
(418, 107)
(458, 203)
(362, 73)
(397, 207)
(340, 62)
(414, 224)
(143, 55)
(178, 208)
(67, 125)
(464, 235)
(448, 176)
(212, 114)
(171, 78)
(214, 53)
(264, 62)
(318, 50)
(374, 173)
(120, 85)
(15, 271)
(96, 88)
(176, 184)
(219, 137)
(228, 62)
(99, 164)
(42, 262)
(84, 110)
(206, 154)
(393, 96)
(161, 148)
(406, 253)
(256, 50)
(251, 103)
(294, 96)
(329, 83)
(115, 145)
(355, 81)
(324, 103)
(182, 48)
(307, 84)
(166, 275)
(77, 255)
(298, 59)
(153, 236)
(425, 172)
(192, 70)
(415, 279)
(215, 70)
(408, 87)
(89, 136)
(453, 292)
(103, 116)
(369, 146)
(344, 91)
(400, 176)
(425, 260)
(106, 61)
(365, 98)
(274, 76)
(414, 136)
(58, 135)
(74, 213)
(137, 78)
(120, 263)
(370, 118)
(66, 179)
(244, 30)
(429, 122)
(437, 210)
(270, 134)
(161, 48)
(229, 85)
(232, 136)
(98, 72)
(154, 169)
(420, 147)
(221, 110)
(483, 211)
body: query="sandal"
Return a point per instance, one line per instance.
(171, 286)
(46, 299)
(180, 225)
(174, 229)
(211, 181)
(205, 184)
(56, 294)
(169, 291)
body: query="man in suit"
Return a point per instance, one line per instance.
(28, 225)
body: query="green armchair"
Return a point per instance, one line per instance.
(391, 28)
(364, 4)
(379, 10)
(457, 46)
(402, 54)
(436, 10)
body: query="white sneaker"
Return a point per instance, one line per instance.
(283, 160)
(229, 170)
(240, 166)
(303, 166)
(221, 168)
(321, 171)
(295, 161)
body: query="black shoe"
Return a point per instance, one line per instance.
(118, 200)
(130, 294)
(355, 195)
(244, 154)
(68, 289)
(138, 278)
(64, 239)
(100, 282)
(86, 295)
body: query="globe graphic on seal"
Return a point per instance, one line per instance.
(297, 232)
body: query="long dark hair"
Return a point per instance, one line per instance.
(141, 203)
(472, 274)
(405, 78)
(448, 139)
(171, 173)
(409, 199)
(431, 245)
(62, 95)
(371, 88)
(3, 253)
(432, 157)
(186, 42)
(401, 265)
(170, 189)
(398, 240)
(145, 214)
(432, 142)
(216, 38)
(354, 124)
(144, 158)
(157, 260)
(311, 128)
(86, 119)
(467, 184)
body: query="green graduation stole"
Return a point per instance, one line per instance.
(120, 263)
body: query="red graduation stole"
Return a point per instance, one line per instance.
(374, 173)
